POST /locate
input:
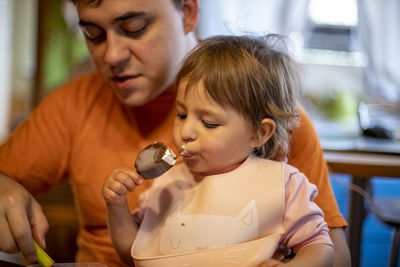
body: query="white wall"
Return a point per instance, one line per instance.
(17, 60)
(6, 16)
(24, 44)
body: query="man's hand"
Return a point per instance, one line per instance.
(21, 220)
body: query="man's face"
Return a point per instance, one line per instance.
(136, 45)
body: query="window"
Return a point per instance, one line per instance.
(331, 34)
(323, 31)
(337, 12)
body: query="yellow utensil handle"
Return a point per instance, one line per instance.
(42, 257)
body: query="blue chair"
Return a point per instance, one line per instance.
(387, 210)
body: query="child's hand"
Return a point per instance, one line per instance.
(118, 183)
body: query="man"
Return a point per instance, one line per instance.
(100, 121)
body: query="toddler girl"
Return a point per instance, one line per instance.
(230, 199)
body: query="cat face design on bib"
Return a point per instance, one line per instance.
(183, 233)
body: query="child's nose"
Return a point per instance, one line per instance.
(188, 131)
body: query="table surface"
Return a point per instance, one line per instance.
(362, 157)
(363, 164)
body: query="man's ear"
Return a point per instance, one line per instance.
(263, 134)
(190, 9)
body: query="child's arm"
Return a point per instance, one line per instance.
(305, 230)
(314, 255)
(121, 224)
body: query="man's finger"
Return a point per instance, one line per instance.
(7, 243)
(39, 224)
(21, 231)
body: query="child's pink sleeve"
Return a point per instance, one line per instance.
(303, 220)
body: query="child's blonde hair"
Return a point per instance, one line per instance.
(253, 76)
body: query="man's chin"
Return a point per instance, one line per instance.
(134, 100)
(129, 98)
(132, 103)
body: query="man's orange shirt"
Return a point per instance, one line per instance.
(82, 132)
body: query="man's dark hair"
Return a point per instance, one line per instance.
(177, 3)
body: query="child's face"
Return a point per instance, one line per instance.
(211, 138)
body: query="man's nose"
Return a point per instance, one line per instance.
(117, 51)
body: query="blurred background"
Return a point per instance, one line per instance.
(347, 50)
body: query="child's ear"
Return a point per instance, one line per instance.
(265, 132)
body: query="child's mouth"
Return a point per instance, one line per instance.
(186, 153)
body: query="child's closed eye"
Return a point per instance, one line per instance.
(210, 125)
(181, 116)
